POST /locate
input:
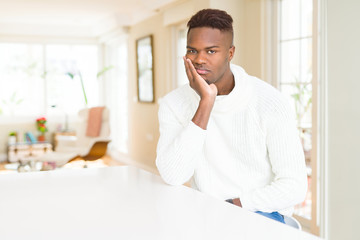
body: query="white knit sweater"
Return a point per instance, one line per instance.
(251, 148)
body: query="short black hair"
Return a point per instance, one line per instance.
(213, 18)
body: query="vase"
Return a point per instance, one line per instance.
(41, 138)
(12, 140)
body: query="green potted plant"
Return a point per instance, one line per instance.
(12, 138)
(41, 127)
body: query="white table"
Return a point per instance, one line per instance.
(122, 203)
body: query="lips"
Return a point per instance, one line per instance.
(201, 71)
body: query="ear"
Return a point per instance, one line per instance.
(231, 52)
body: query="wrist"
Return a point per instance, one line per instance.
(209, 95)
(207, 101)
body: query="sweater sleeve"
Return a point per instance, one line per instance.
(286, 156)
(179, 148)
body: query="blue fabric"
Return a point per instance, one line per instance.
(274, 215)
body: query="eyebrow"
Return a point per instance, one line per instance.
(205, 48)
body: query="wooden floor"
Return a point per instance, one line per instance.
(109, 161)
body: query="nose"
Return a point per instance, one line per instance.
(200, 58)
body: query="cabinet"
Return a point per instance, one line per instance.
(27, 151)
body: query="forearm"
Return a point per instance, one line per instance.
(206, 92)
(180, 144)
(202, 115)
(278, 195)
(177, 159)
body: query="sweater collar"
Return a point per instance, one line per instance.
(239, 97)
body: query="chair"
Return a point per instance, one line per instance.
(290, 221)
(70, 148)
(98, 150)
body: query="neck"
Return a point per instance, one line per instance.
(225, 87)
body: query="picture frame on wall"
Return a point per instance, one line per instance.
(145, 69)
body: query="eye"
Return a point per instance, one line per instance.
(211, 51)
(191, 51)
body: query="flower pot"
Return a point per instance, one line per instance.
(41, 138)
(12, 140)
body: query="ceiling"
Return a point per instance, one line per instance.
(77, 18)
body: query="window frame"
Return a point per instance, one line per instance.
(271, 29)
(175, 37)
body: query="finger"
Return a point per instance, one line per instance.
(187, 69)
(192, 69)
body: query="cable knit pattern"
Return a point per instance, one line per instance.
(251, 148)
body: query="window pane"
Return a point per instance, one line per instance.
(122, 111)
(290, 91)
(66, 92)
(306, 60)
(306, 18)
(295, 70)
(290, 19)
(305, 93)
(306, 141)
(289, 65)
(21, 79)
(300, 95)
(116, 97)
(304, 209)
(181, 50)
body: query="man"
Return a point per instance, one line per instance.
(232, 134)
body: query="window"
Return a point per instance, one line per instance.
(46, 79)
(33, 77)
(181, 39)
(21, 79)
(116, 89)
(79, 60)
(295, 68)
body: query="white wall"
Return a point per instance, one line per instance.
(343, 37)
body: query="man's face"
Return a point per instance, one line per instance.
(210, 51)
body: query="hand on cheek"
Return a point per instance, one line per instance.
(198, 83)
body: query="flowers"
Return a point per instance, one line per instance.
(41, 125)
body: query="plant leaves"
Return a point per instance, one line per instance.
(71, 75)
(104, 70)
